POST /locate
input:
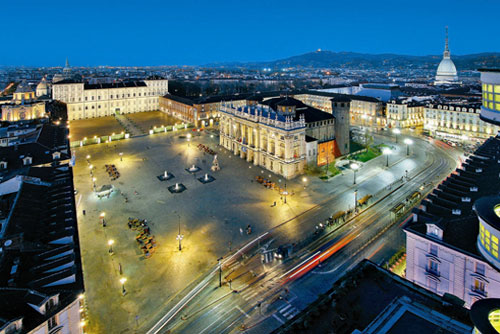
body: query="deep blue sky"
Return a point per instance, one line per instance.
(147, 32)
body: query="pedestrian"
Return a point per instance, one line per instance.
(84, 212)
(274, 203)
(241, 231)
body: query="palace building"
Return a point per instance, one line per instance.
(24, 105)
(86, 100)
(282, 134)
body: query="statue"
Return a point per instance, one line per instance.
(215, 165)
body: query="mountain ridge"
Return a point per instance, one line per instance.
(347, 59)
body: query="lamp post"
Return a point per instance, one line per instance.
(304, 180)
(387, 151)
(122, 281)
(93, 183)
(188, 139)
(354, 167)
(121, 156)
(101, 217)
(355, 200)
(220, 271)
(180, 236)
(396, 132)
(285, 192)
(110, 243)
(408, 142)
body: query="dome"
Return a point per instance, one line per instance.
(447, 68)
(42, 84)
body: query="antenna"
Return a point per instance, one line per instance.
(446, 40)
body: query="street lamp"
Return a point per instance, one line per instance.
(355, 200)
(121, 156)
(220, 271)
(110, 243)
(188, 138)
(285, 192)
(408, 142)
(101, 217)
(396, 132)
(93, 181)
(354, 167)
(180, 236)
(304, 179)
(122, 281)
(387, 151)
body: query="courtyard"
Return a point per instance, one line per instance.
(149, 119)
(88, 128)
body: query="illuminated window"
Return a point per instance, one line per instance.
(487, 233)
(490, 88)
(490, 96)
(485, 87)
(497, 88)
(479, 286)
(497, 97)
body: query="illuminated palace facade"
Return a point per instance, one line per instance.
(96, 100)
(273, 139)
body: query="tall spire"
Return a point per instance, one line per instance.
(67, 62)
(446, 53)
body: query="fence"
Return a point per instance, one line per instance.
(120, 136)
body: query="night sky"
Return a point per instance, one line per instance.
(146, 32)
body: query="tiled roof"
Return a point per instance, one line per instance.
(450, 204)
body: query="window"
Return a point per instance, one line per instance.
(434, 250)
(433, 267)
(432, 284)
(479, 286)
(480, 269)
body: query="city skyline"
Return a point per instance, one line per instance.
(197, 32)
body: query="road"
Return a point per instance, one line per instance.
(258, 297)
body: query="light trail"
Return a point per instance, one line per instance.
(318, 258)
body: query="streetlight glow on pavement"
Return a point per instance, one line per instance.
(408, 142)
(354, 167)
(122, 281)
(110, 243)
(396, 132)
(387, 151)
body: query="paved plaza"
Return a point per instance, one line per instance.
(102, 126)
(210, 215)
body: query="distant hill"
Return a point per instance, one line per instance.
(329, 59)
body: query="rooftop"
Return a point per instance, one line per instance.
(450, 204)
(370, 300)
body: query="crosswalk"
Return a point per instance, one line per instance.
(250, 294)
(289, 311)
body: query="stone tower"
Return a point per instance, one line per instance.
(340, 109)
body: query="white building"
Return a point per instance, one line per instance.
(452, 239)
(96, 100)
(403, 114)
(460, 122)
